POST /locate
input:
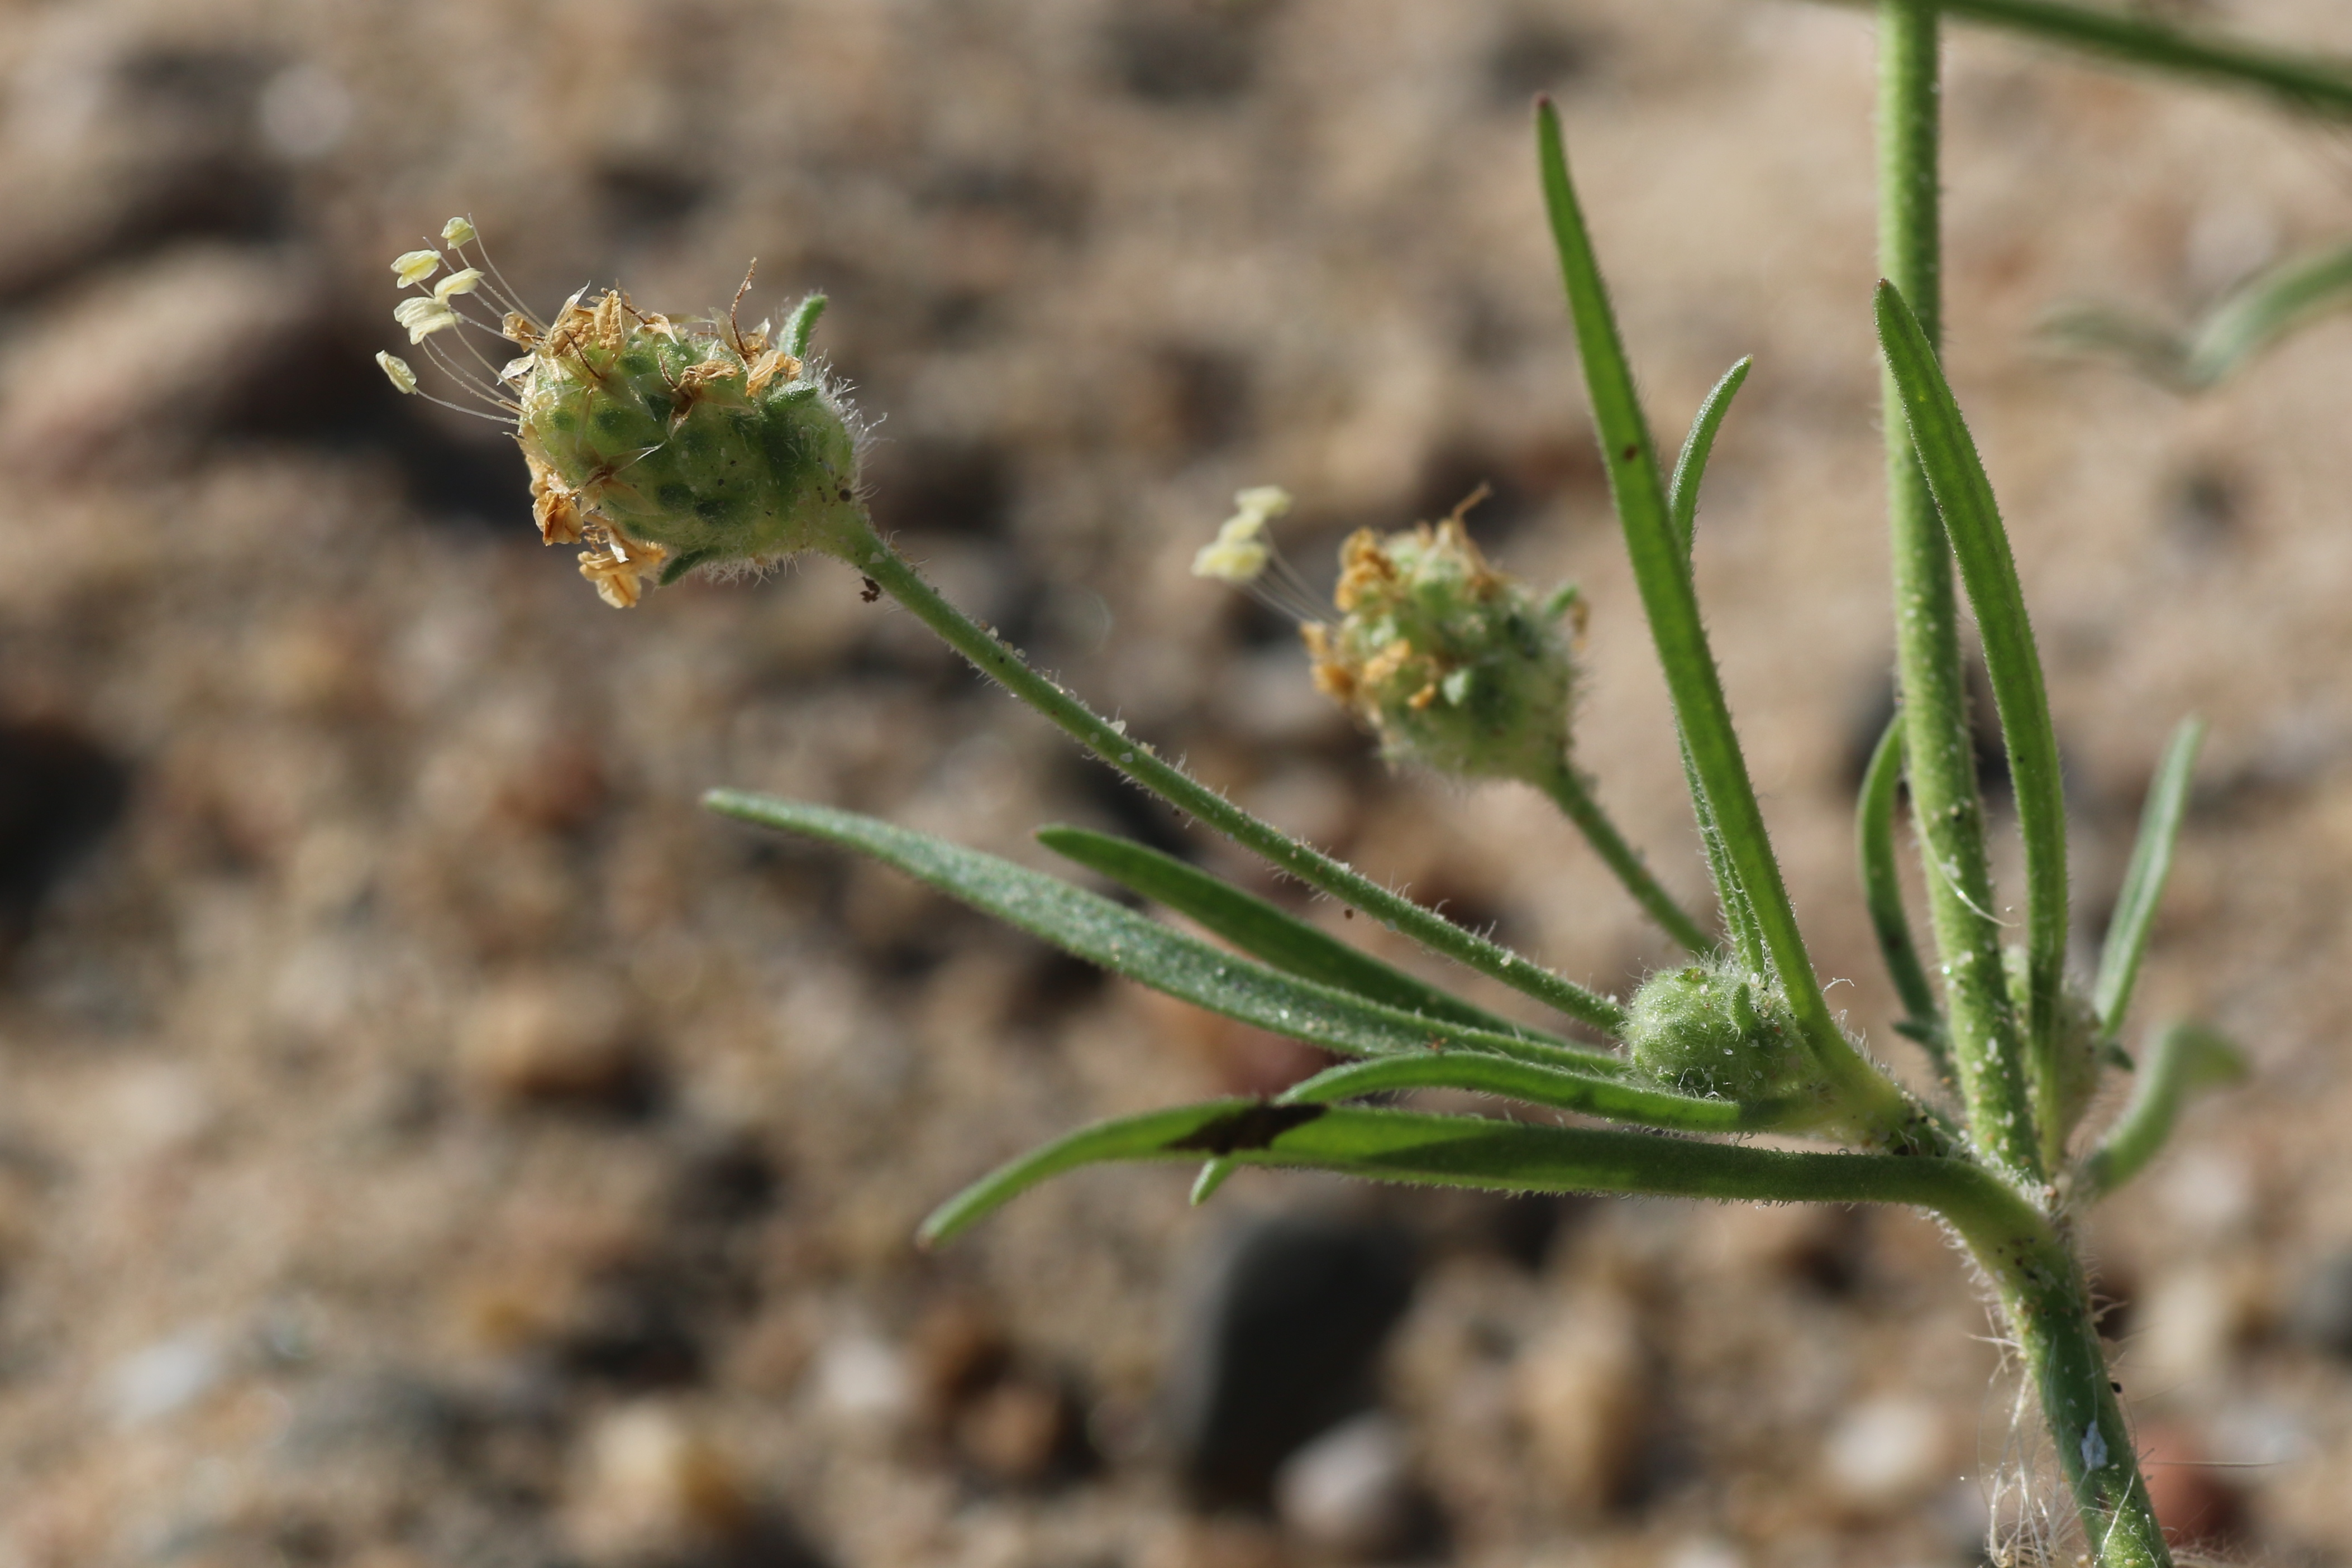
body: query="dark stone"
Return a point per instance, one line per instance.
(1170, 52)
(1281, 1344)
(2321, 1315)
(1535, 56)
(60, 794)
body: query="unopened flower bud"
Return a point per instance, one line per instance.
(1710, 1029)
(1451, 662)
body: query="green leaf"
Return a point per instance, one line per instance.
(1690, 469)
(2306, 82)
(2144, 878)
(1681, 506)
(1882, 889)
(1101, 932)
(1613, 1098)
(1258, 927)
(1956, 476)
(2187, 1058)
(1506, 1156)
(2251, 319)
(802, 325)
(1662, 572)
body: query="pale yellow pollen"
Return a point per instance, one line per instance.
(424, 315)
(458, 231)
(414, 266)
(396, 369)
(1266, 501)
(1237, 554)
(463, 282)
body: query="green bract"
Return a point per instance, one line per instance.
(2076, 1048)
(1451, 662)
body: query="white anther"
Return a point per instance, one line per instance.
(396, 369)
(414, 266)
(463, 282)
(424, 315)
(458, 231)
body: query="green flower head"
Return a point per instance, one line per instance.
(1451, 662)
(660, 444)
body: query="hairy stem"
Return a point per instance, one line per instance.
(1572, 791)
(2043, 1292)
(993, 658)
(1941, 756)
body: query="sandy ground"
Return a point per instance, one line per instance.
(425, 1138)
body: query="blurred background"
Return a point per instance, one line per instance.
(425, 1138)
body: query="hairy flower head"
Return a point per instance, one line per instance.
(1451, 662)
(660, 445)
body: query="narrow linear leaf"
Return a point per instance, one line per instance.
(2186, 1058)
(2266, 309)
(1506, 1156)
(2308, 83)
(1681, 506)
(1690, 467)
(1964, 498)
(1882, 888)
(1614, 1099)
(1258, 927)
(2144, 878)
(1103, 933)
(1661, 570)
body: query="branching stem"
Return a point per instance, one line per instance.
(1572, 793)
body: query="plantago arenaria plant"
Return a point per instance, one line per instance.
(664, 444)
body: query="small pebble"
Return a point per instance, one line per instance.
(2321, 1315)
(165, 1377)
(1280, 1341)
(1350, 1491)
(1584, 1392)
(1885, 1453)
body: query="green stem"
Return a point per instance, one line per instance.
(1572, 793)
(2043, 1295)
(1939, 751)
(2046, 1300)
(993, 658)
